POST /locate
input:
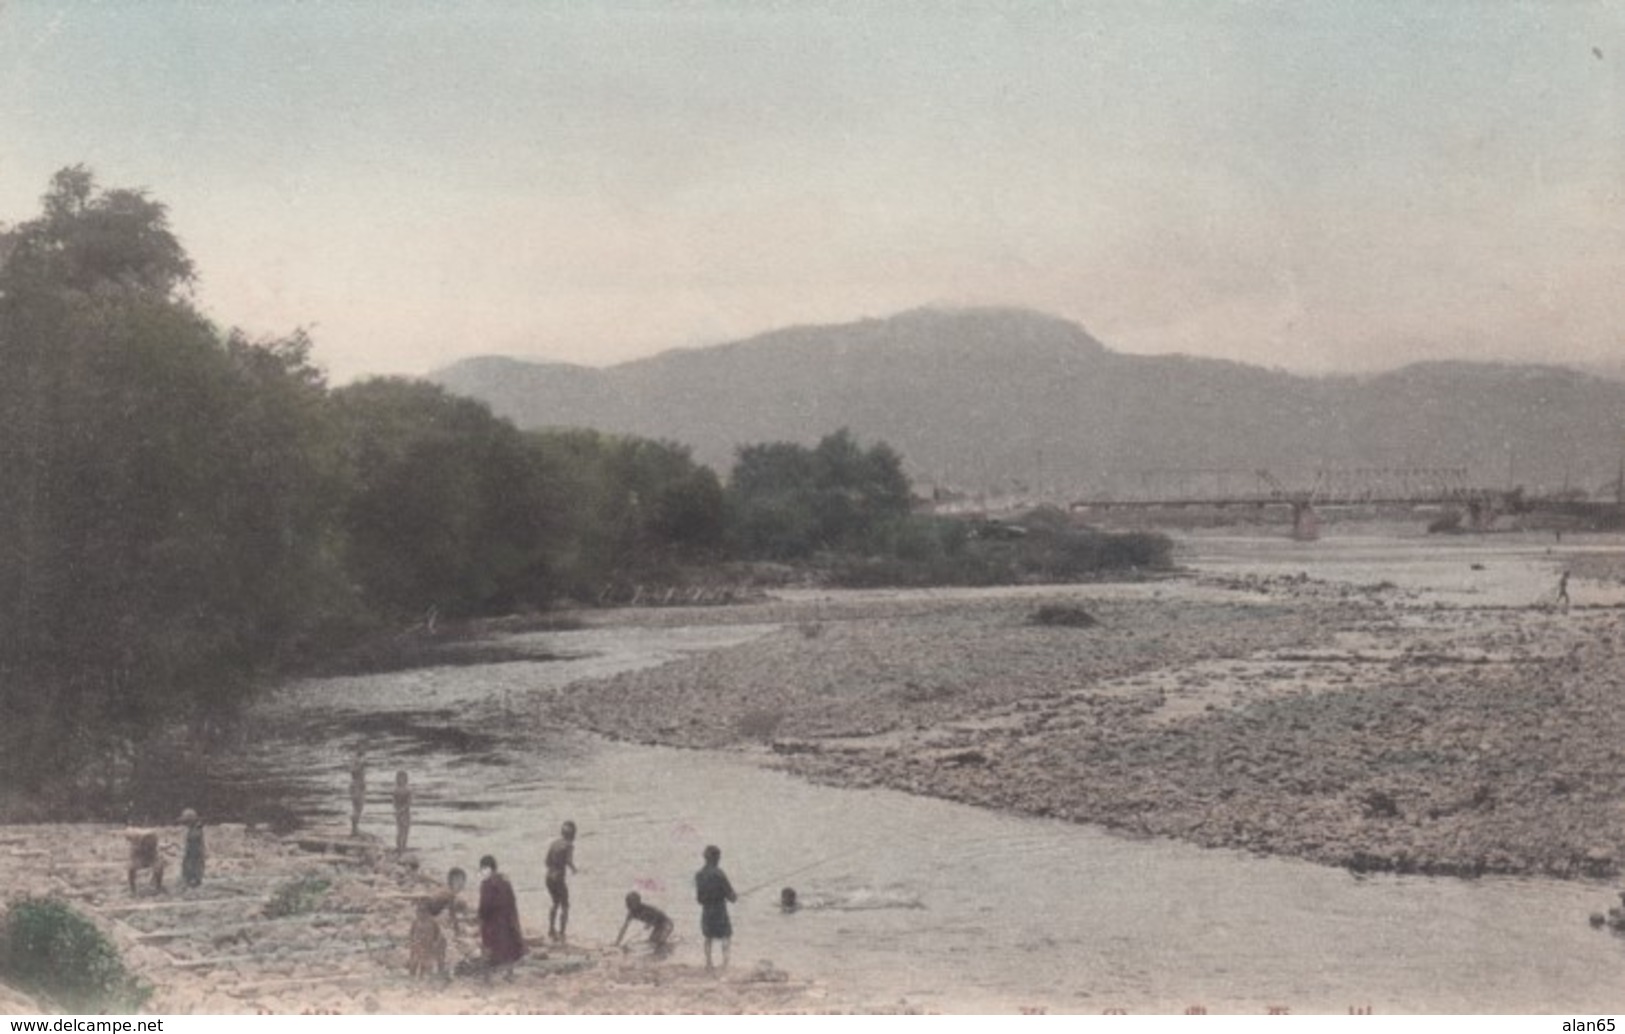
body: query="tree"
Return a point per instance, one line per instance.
(787, 501)
(166, 523)
(90, 239)
(448, 507)
(859, 491)
(634, 507)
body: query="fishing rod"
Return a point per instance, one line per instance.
(797, 872)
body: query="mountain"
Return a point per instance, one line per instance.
(995, 399)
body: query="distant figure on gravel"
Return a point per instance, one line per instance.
(144, 854)
(713, 891)
(402, 798)
(659, 923)
(500, 935)
(358, 791)
(560, 856)
(192, 856)
(1563, 591)
(428, 945)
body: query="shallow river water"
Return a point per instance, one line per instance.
(942, 905)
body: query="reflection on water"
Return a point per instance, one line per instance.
(948, 906)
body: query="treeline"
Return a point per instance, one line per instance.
(186, 511)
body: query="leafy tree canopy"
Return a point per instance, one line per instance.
(631, 505)
(789, 501)
(88, 238)
(449, 509)
(163, 532)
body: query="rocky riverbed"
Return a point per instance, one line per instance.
(1355, 725)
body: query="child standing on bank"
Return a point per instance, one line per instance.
(192, 856)
(402, 798)
(712, 889)
(358, 791)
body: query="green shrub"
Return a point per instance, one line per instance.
(296, 897)
(1037, 554)
(48, 948)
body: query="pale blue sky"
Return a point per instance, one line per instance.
(1314, 185)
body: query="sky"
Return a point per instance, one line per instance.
(1317, 186)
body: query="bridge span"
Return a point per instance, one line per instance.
(1357, 486)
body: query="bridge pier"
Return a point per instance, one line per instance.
(1305, 522)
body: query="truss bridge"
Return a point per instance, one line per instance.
(1304, 493)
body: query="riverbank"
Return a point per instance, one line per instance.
(1418, 719)
(1362, 726)
(213, 949)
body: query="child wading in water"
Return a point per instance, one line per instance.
(402, 797)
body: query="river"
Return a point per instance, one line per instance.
(937, 904)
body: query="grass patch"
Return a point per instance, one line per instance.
(297, 897)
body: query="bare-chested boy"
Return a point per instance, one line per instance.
(560, 856)
(659, 924)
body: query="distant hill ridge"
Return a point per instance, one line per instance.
(993, 399)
